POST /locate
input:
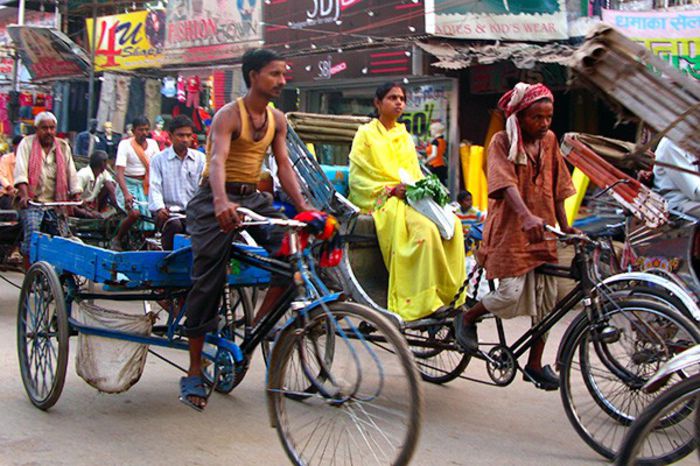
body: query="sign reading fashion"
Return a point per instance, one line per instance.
(531, 20)
(211, 30)
(674, 36)
(306, 24)
(128, 41)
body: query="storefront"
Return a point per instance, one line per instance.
(345, 84)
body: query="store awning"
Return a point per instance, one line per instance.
(524, 55)
(48, 54)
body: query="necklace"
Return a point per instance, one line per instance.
(256, 129)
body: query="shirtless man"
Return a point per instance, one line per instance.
(240, 135)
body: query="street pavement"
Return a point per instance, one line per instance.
(465, 423)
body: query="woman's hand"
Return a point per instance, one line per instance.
(399, 191)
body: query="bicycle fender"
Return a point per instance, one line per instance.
(670, 285)
(687, 358)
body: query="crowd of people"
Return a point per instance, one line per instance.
(528, 183)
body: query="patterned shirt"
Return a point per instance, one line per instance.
(174, 181)
(469, 218)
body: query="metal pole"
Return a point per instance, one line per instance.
(91, 87)
(15, 69)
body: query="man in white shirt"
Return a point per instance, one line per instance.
(132, 166)
(681, 189)
(174, 179)
(98, 186)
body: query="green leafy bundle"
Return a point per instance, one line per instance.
(429, 186)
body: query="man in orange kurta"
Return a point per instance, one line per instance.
(528, 182)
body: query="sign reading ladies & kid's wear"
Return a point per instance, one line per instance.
(530, 20)
(128, 41)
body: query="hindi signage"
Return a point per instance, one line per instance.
(128, 41)
(672, 35)
(211, 30)
(530, 20)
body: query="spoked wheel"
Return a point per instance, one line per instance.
(367, 410)
(316, 348)
(651, 442)
(605, 363)
(437, 356)
(235, 319)
(42, 335)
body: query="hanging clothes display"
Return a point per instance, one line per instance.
(181, 95)
(114, 101)
(193, 86)
(137, 97)
(152, 104)
(169, 88)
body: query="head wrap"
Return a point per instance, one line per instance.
(514, 101)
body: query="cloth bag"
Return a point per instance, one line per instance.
(108, 364)
(443, 217)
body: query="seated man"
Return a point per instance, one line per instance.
(98, 187)
(174, 179)
(680, 188)
(44, 172)
(528, 183)
(7, 175)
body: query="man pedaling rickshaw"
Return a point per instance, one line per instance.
(528, 183)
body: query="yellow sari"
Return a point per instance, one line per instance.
(425, 271)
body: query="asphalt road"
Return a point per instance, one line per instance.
(465, 423)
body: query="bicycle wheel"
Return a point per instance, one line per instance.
(649, 442)
(367, 410)
(436, 354)
(42, 335)
(605, 363)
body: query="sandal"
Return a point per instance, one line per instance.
(193, 386)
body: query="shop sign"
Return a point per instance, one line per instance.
(306, 24)
(48, 53)
(203, 31)
(500, 77)
(674, 36)
(530, 20)
(31, 18)
(128, 41)
(425, 104)
(346, 65)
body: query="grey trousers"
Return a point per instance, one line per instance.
(211, 249)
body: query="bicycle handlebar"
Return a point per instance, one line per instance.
(567, 236)
(56, 204)
(258, 219)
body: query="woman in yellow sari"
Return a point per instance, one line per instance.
(425, 271)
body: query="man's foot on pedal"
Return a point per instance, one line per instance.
(546, 378)
(465, 334)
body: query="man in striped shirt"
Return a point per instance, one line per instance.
(174, 179)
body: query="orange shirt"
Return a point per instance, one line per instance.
(439, 160)
(505, 246)
(7, 169)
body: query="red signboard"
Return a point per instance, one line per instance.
(294, 25)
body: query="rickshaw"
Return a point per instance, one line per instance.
(321, 370)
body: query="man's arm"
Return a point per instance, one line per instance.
(222, 129)
(688, 184)
(533, 226)
(285, 171)
(155, 186)
(73, 183)
(22, 174)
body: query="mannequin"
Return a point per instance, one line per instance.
(159, 135)
(110, 140)
(88, 141)
(437, 151)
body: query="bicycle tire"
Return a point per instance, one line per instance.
(438, 366)
(647, 424)
(341, 404)
(38, 321)
(609, 414)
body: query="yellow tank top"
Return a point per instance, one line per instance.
(245, 156)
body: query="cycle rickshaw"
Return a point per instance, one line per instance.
(322, 371)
